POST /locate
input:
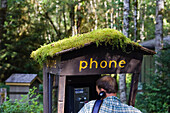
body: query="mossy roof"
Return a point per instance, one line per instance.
(107, 36)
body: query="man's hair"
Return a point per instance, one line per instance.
(108, 83)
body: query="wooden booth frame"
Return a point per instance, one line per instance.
(90, 60)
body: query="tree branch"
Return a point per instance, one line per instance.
(51, 22)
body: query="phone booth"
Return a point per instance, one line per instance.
(70, 74)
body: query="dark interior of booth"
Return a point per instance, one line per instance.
(79, 90)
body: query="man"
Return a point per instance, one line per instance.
(111, 104)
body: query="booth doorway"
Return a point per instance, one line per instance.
(79, 90)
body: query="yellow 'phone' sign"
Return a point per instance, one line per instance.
(103, 64)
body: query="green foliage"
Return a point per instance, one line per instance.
(24, 32)
(27, 104)
(156, 98)
(108, 36)
(30, 24)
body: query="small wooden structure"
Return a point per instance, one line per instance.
(148, 61)
(85, 63)
(19, 84)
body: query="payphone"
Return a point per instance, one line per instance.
(79, 91)
(81, 96)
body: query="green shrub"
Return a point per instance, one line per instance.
(24, 105)
(156, 95)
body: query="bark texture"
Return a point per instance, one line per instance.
(159, 25)
(159, 30)
(142, 19)
(135, 20)
(122, 77)
(122, 87)
(126, 17)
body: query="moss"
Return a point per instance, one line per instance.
(108, 36)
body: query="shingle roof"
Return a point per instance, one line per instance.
(150, 44)
(21, 78)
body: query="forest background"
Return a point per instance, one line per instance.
(25, 25)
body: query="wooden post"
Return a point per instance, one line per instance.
(45, 90)
(61, 93)
(133, 89)
(55, 93)
(50, 87)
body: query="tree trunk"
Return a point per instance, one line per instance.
(126, 17)
(72, 19)
(122, 77)
(122, 87)
(159, 25)
(58, 18)
(111, 18)
(142, 19)
(3, 9)
(79, 17)
(111, 14)
(159, 29)
(95, 13)
(135, 20)
(75, 20)
(64, 17)
(121, 16)
(106, 14)
(2, 18)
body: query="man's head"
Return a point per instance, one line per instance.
(107, 84)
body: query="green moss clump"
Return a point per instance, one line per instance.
(109, 36)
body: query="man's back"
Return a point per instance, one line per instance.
(110, 104)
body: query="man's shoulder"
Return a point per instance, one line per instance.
(87, 108)
(130, 108)
(90, 103)
(118, 106)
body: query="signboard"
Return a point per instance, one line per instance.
(100, 60)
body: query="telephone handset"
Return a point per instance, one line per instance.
(101, 95)
(98, 102)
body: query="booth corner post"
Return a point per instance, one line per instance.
(133, 89)
(45, 90)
